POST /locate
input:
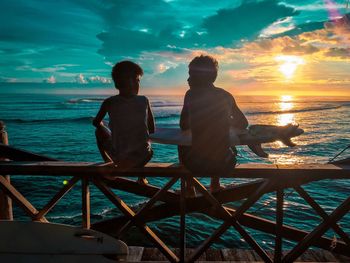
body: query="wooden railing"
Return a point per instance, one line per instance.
(270, 178)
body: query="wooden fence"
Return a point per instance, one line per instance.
(272, 178)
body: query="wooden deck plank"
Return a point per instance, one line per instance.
(341, 258)
(307, 256)
(152, 254)
(229, 254)
(323, 255)
(213, 255)
(246, 255)
(190, 251)
(135, 254)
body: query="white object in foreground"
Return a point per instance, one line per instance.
(45, 243)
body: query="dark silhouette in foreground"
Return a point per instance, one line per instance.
(130, 121)
(209, 112)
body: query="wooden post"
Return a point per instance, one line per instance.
(279, 225)
(85, 203)
(5, 202)
(183, 220)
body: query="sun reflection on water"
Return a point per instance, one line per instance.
(284, 106)
(285, 118)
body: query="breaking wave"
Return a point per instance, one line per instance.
(54, 120)
(154, 103)
(293, 111)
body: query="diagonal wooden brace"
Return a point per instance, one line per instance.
(126, 210)
(337, 229)
(20, 200)
(57, 198)
(137, 217)
(307, 241)
(230, 220)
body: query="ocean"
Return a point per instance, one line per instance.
(59, 126)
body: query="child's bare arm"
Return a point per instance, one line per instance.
(100, 115)
(239, 121)
(150, 120)
(184, 117)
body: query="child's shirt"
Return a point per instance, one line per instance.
(129, 126)
(210, 112)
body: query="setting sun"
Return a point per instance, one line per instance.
(289, 64)
(285, 98)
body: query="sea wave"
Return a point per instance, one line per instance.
(53, 120)
(154, 103)
(72, 119)
(84, 100)
(162, 104)
(167, 116)
(294, 110)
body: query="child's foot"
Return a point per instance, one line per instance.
(190, 192)
(142, 181)
(216, 188)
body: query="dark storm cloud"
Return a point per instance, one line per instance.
(163, 28)
(244, 22)
(45, 22)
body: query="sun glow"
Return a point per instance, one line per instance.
(285, 105)
(289, 64)
(286, 116)
(285, 98)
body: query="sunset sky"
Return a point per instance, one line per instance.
(269, 47)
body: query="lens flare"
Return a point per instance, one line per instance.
(332, 9)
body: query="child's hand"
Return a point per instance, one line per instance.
(97, 123)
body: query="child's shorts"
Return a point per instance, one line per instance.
(134, 159)
(197, 165)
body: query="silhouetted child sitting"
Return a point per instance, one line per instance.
(209, 112)
(130, 121)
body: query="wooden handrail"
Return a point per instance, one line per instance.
(268, 171)
(16, 154)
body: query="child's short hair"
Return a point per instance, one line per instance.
(206, 66)
(125, 69)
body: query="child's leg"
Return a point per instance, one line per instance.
(190, 190)
(103, 139)
(215, 184)
(142, 179)
(135, 162)
(224, 169)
